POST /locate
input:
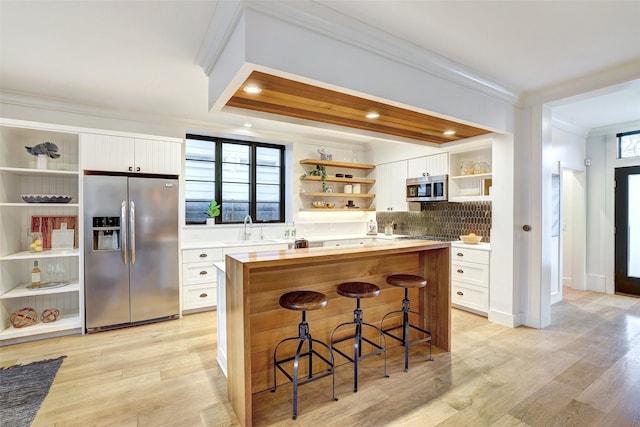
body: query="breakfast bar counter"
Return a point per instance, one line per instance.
(256, 280)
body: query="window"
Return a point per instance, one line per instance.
(628, 144)
(246, 178)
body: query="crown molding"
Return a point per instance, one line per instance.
(323, 20)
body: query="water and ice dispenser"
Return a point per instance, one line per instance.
(106, 233)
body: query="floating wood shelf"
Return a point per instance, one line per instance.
(335, 164)
(356, 180)
(338, 210)
(345, 195)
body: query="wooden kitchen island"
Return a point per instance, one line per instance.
(256, 322)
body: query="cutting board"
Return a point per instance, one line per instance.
(46, 225)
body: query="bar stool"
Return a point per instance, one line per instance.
(303, 301)
(359, 290)
(407, 281)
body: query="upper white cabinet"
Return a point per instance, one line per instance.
(391, 181)
(436, 164)
(470, 176)
(125, 154)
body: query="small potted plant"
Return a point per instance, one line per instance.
(213, 210)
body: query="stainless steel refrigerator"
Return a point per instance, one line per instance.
(131, 250)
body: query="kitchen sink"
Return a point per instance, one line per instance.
(249, 242)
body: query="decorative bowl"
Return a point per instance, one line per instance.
(330, 205)
(318, 204)
(471, 240)
(46, 198)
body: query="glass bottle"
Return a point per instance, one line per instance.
(35, 275)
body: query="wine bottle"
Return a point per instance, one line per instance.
(35, 275)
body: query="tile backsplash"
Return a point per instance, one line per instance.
(441, 219)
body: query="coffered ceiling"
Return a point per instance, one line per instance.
(291, 98)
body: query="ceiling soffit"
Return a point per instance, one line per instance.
(285, 97)
(323, 20)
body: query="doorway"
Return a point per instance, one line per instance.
(627, 235)
(571, 236)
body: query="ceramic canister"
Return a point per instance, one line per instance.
(356, 188)
(348, 188)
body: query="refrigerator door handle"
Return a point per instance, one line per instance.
(132, 232)
(123, 231)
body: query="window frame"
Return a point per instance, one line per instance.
(253, 146)
(619, 137)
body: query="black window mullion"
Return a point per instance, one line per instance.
(253, 173)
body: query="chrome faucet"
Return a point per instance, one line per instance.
(247, 235)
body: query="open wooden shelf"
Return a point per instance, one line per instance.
(335, 164)
(345, 195)
(356, 180)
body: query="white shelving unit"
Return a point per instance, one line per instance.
(469, 188)
(18, 176)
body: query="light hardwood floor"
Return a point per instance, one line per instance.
(582, 370)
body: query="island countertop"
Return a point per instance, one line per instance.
(256, 322)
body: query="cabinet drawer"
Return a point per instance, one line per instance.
(473, 297)
(468, 272)
(198, 297)
(200, 255)
(469, 255)
(199, 273)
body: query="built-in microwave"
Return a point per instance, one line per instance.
(427, 188)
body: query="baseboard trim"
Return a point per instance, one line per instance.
(510, 320)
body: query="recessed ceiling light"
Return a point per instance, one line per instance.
(248, 125)
(449, 132)
(252, 89)
(372, 115)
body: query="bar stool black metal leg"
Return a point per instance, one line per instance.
(405, 327)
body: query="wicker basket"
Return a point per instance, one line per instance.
(471, 240)
(50, 315)
(24, 317)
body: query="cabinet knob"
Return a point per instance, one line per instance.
(203, 255)
(526, 227)
(460, 293)
(203, 295)
(460, 271)
(460, 254)
(203, 272)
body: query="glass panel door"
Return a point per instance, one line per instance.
(627, 223)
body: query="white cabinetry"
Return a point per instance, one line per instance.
(128, 154)
(345, 242)
(222, 300)
(391, 181)
(473, 186)
(436, 164)
(199, 279)
(470, 278)
(18, 175)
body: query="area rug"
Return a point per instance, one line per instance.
(23, 389)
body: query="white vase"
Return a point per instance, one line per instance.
(211, 221)
(41, 161)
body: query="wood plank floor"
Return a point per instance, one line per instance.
(582, 370)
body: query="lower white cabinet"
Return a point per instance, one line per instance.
(199, 274)
(345, 242)
(470, 278)
(199, 278)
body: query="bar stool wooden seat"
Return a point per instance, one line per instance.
(359, 290)
(303, 301)
(407, 281)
